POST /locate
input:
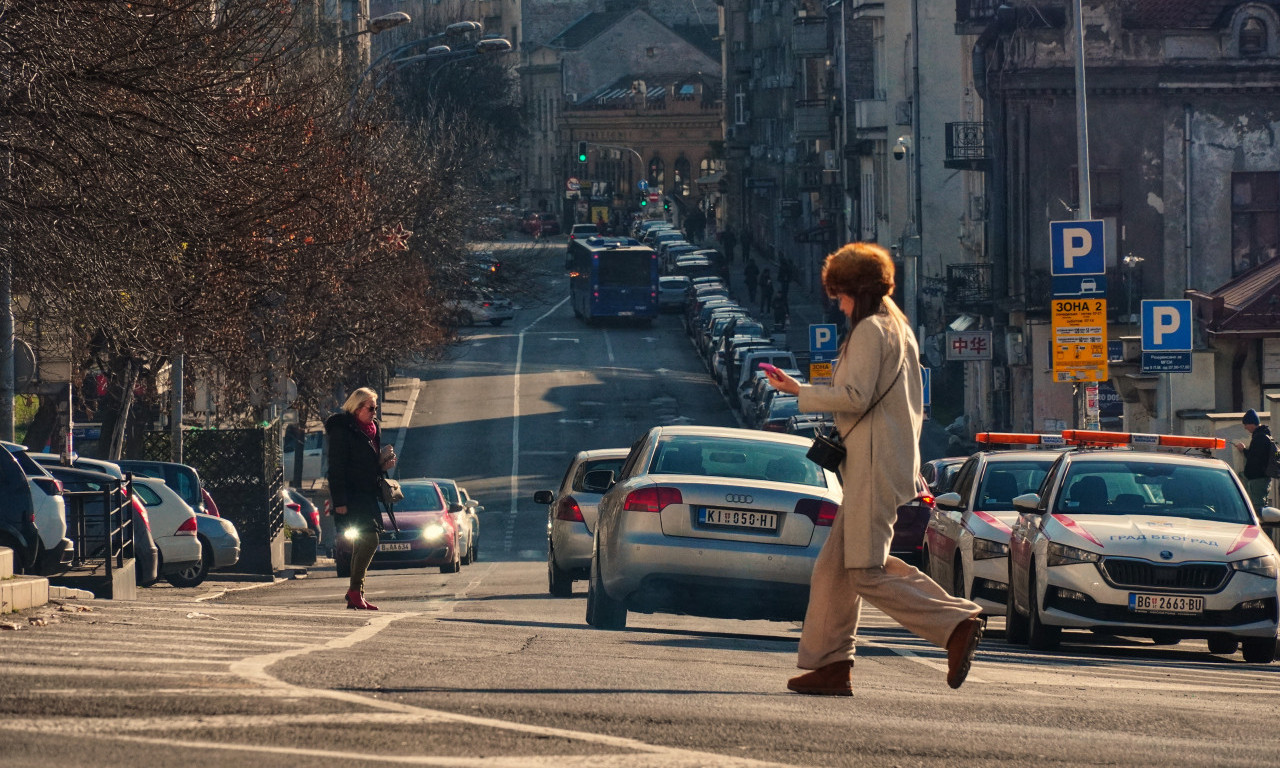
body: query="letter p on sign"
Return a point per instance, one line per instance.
(1166, 325)
(1077, 248)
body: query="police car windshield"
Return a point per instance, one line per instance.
(1138, 487)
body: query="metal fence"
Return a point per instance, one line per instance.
(101, 523)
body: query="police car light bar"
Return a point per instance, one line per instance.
(1020, 438)
(1137, 438)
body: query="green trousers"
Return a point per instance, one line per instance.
(361, 555)
(1257, 488)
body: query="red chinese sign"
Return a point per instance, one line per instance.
(968, 345)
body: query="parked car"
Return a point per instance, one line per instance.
(467, 537)
(312, 454)
(571, 515)
(184, 480)
(307, 520)
(17, 514)
(712, 522)
(474, 508)
(967, 541)
(671, 292)
(175, 527)
(219, 548)
(51, 514)
(425, 533)
(940, 474)
(541, 223)
(480, 306)
(76, 480)
(582, 230)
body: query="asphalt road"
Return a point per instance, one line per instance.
(484, 668)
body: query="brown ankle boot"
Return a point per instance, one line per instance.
(835, 679)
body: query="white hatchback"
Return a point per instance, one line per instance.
(173, 525)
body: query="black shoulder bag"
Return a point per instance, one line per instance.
(828, 449)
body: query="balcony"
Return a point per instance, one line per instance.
(968, 147)
(969, 288)
(812, 120)
(870, 114)
(972, 16)
(809, 37)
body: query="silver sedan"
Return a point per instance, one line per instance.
(571, 515)
(713, 522)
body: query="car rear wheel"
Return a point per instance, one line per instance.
(1015, 624)
(603, 612)
(1259, 650)
(194, 575)
(1223, 646)
(559, 582)
(1039, 636)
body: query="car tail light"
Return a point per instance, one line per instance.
(188, 527)
(141, 512)
(928, 500)
(652, 499)
(822, 513)
(48, 484)
(315, 517)
(567, 509)
(295, 506)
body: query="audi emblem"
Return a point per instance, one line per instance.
(738, 498)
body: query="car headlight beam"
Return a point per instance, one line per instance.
(1264, 565)
(351, 534)
(433, 532)
(1061, 554)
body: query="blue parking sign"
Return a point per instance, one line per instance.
(924, 379)
(1166, 325)
(822, 341)
(1077, 248)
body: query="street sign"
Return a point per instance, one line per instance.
(573, 185)
(968, 345)
(1079, 339)
(924, 379)
(1086, 287)
(822, 341)
(1077, 248)
(642, 185)
(653, 198)
(819, 373)
(1166, 325)
(1166, 362)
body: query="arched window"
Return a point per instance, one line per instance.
(680, 184)
(1253, 37)
(657, 174)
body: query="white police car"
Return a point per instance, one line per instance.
(1146, 544)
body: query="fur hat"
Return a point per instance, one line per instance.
(1250, 417)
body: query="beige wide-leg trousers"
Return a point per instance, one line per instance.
(904, 593)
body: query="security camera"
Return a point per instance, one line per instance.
(900, 149)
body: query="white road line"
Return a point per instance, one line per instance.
(608, 346)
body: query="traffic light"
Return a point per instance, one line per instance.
(582, 151)
(666, 204)
(644, 201)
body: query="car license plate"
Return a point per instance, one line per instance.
(1140, 603)
(394, 546)
(737, 518)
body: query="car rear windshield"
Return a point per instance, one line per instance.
(1137, 487)
(735, 458)
(420, 497)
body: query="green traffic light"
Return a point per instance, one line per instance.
(643, 202)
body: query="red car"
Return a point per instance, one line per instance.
(424, 534)
(909, 528)
(541, 223)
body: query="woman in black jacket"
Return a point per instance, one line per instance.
(357, 459)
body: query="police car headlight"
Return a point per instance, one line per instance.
(1061, 554)
(986, 549)
(351, 534)
(1261, 566)
(433, 532)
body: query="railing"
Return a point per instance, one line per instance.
(812, 120)
(977, 11)
(967, 146)
(101, 522)
(968, 286)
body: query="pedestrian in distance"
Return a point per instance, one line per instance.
(728, 240)
(780, 313)
(357, 460)
(1257, 454)
(784, 276)
(751, 276)
(766, 291)
(876, 396)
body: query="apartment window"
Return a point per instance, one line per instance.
(1255, 219)
(681, 179)
(1253, 37)
(657, 173)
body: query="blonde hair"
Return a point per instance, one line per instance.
(359, 398)
(864, 272)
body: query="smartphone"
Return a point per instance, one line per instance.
(767, 368)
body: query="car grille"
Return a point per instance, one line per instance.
(1194, 577)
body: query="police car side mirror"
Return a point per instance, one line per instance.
(542, 497)
(949, 500)
(1270, 515)
(1027, 502)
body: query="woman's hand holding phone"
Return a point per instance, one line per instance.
(779, 380)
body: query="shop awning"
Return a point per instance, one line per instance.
(1248, 306)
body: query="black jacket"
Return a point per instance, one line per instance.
(354, 469)
(1258, 453)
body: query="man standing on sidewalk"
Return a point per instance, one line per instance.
(751, 274)
(1257, 454)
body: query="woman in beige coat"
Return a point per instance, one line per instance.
(878, 405)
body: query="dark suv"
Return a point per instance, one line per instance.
(17, 514)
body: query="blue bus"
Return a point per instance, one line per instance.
(612, 277)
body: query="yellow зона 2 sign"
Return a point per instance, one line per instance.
(1079, 339)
